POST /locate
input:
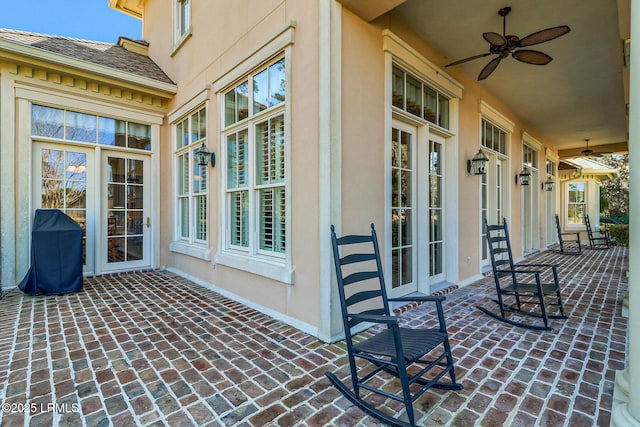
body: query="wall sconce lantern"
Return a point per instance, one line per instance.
(203, 156)
(548, 185)
(525, 176)
(478, 163)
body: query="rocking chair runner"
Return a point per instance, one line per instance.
(397, 350)
(523, 283)
(568, 246)
(597, 240)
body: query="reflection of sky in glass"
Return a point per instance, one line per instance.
(80, 127)
(47, 121)
(61, 124)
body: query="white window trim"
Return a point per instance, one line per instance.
(495, 118)
(179, 38)
(491, 114)
(397, 51)
(565, 220)
(281, 270)
(196, 249)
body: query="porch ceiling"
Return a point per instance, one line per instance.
(581, 94)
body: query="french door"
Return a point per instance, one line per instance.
(64, 178)
(492, 200)
(417, 209)
(404, 219)
(104, 192)
(126, 228)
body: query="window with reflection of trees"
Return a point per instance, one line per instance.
(63, 183)
(56, 123)
(576, 206)
(402, 208)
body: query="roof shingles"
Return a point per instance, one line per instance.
(100, 53)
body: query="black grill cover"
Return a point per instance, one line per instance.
(56, 255)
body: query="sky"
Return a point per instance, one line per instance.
(83, 19)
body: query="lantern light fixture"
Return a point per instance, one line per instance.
(203, 156)
(525, 176)
(548, 184)
(478, 163)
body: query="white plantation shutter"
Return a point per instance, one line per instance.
(192, 180)
(270, 172)
(255, 163)
(239, 214)
(201, 217)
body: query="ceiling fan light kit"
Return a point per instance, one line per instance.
(504, 45)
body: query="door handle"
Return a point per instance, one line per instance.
(148, 222)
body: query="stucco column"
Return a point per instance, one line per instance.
(626, 411)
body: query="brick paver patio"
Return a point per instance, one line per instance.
(151, 348)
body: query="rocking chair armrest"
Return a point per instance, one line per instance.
(539, 265)
(374, 318)
(516, 271)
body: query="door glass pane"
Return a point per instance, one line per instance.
(436, 216)
(125, 215)
(402, 208)
(63, 185)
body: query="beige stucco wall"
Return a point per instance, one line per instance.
(364, 139)
(223, 35)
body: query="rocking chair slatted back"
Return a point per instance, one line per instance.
(568, 246)
(419, 358)
(525, 285)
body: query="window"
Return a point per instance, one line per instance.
(255, 173)
(436, 208)
(529, 157)
(551, 168)
(49, 122)
(182, 23)
(494, 138)
(191, 180)
(415, 97)
(493, 191)
(577, 204)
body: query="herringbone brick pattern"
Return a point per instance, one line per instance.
(151, 348)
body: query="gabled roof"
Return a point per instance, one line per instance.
(587, 167)
(99, 53)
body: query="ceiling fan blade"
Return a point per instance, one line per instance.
(531, 57)
(544, 35)
(482, 55)
(489, 68)
(494, 38)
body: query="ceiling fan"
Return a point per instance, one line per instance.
(505, 45)
(590, 153)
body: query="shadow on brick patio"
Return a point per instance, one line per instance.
(151, 348)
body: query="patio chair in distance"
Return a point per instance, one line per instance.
(568, 246)
(406, 353)
(520, 283)
(597, 240)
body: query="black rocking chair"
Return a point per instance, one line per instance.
(408, 354)
(597, 240)
(523, 284)
(569, 241)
